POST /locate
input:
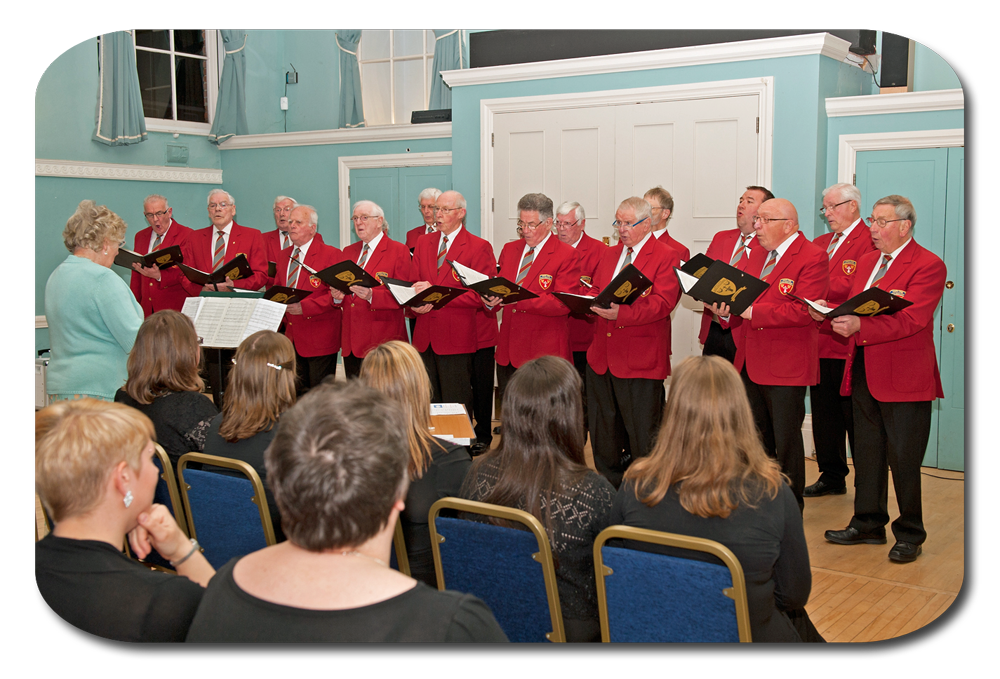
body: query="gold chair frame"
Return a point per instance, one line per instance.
(543, 555)
(738, 592)
(172, 489)
(399, 545)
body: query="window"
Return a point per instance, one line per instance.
(178, 78)
(395, 74)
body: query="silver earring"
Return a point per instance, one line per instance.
(128, 498)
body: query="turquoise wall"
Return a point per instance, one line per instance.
(931, 72)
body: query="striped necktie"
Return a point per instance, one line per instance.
(220, 250)
(881, 270)
(286, 242)
(626, 262)
(156, 243)
(293, 269)
(364, 256)
(738, 254)
(769, 266)
(525, 265)
(443, 251)
(833, 245)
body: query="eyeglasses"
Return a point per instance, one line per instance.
(223, 205)
(564, 225)
(767, 220)
(362, 219)
(824, 210)
(277, 209)
(529, 225)
(150, 215)
(656, 207)
(626, 225)
(448, 210)
(880, 223)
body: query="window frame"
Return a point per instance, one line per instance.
(214, 57)
(427, 59)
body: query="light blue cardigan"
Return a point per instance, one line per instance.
(93, 318)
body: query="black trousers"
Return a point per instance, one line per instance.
(504, 373)
(890, 435)
(778, 412)
(719, 342)
(624, 418)
(352, 366)
(832, 418)
(482, 394)
(580, 363)
(450, 376)
(312, 369)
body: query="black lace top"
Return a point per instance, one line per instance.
(181, 420)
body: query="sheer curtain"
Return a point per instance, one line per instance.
(231, 108)
(120, 119)
(352, 112)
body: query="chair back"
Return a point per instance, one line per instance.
(397, 557)
(167, 493)
(649, 597)
(227, 514)
(509, 569)
(42, 524)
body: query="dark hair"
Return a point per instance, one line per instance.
(337, 464)
(541, 452)
(164, 357)
(767, 194)
(261, 385)
(536, 202)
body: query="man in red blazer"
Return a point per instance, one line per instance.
(277, 240)
(156, 290)
(777, 349)
(570, 224)
(447, 338)
(483, 369)
(662, 205)
(542, 264)
(427, 199)
(630, 355)
(732, 246)
(371, 315)
(313, 324)
(832, 414)
(892, 377)
(207, 253)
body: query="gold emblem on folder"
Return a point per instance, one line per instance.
(700, 272)
(433, 297)
(347, 277)
(501, 290)
(233, 273)
(164, 259)
(724, 287)
(624, 291)
(870, 308)
(280, 298)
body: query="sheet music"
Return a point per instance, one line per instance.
(687, 280)
(818, 307)
(192, 305)
(469, 276)
(448, 409)
(402, 293)
(266, 315)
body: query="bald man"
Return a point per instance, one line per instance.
(777, 342)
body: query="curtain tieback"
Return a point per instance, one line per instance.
(240, 48)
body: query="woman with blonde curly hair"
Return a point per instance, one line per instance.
(709, 477)
(92, 315)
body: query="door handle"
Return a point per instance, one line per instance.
(951, 327)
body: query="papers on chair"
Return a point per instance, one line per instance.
(226, 321)
(487, 286)
(450, 422)
(871, 302)
(163, 258)
(447, 409)
(406, 295)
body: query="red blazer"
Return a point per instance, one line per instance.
(900, 358)
(317, 331)
(537, 327)
(581, 328)
(242, 239)
(722, 248)
(780, 346)
(637, 344)
(843, 270)
(413, 235)
(487, 332)
(368, 324)
(665, 238)
(167, 293)
(272, 248)
(451, 329)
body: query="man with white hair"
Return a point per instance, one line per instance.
(215, 245)
(661, 205)
(277, 240)
(154, 289)
(427, 198)
(832, 414)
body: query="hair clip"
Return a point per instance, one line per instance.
(233, 359)
(275, 366)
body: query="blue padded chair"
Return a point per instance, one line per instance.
(510, 569)
(648, 597)
(168, 495)
(397, 557)
(228, 515)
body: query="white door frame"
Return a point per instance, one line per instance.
(347, 163)
(488, 108)
(851, 144)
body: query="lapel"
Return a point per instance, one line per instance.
(455, 253)
(375, 256)
(541, 258)
(786, 260)
(899, 265)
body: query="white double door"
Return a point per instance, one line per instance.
(703, 151)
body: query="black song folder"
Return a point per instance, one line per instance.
(498, 286)
(719, 283)
(285, 295)
(163, 258)
(624, 288)
(437, 295)
(871, 302)
(235, 269)
(345, 274)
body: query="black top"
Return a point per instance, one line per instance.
(768, 541)
(229, 614)
(442, 479)
(251, 451)
(95, 587)
(579, 514)
(180, 418)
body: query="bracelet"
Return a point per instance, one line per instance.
(194, 548)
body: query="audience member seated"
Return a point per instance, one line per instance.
(709, 477)
(260, 387)
(436, 468)
(337, 466)
(95, 475)
(539, 468)
(163, 383)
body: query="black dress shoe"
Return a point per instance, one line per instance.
(822, 488)
(852, 536)
(478, 449)
(904, 552)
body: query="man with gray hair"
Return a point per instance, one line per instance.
(832, 414)
(892, 377)
(154, 289)
(215, 245)
(661, 204)
(277, 240)
(426, 200)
